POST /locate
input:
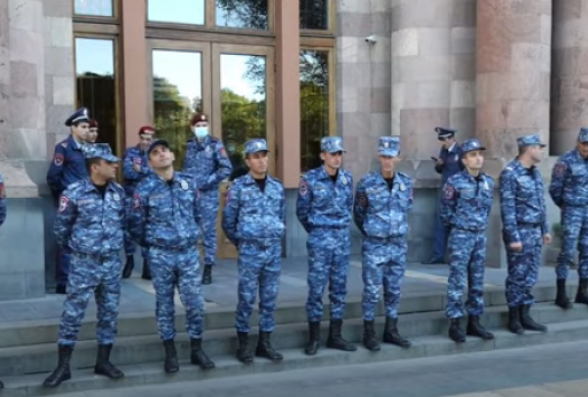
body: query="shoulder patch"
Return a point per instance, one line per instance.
(303, 188)
(136, 202)
(58, 159)
(362, 200)
(63, 203)
(449, 192)
(2, 191)
(64, 145)
(559, 169)
(222, 151)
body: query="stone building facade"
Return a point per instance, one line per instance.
(491, 69)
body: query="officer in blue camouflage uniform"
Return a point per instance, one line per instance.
(135, 168)
(524, 230)
(382, 201)
(164, 218)
(206, 159)
(569, 191)
(323, 207)
(90, 225)
(447, 164)
(68, 166)
(2, 218)
(465, 207)
(254, 221)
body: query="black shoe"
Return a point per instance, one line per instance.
(62, 372)
(104, 366)
(207, 275)
(60, 289)
(335, 340)
(455, 333)
(170, 363)
(1, 385)
(314, 338)
(514, 321)
(146, 273)
(264, 348)
(582, 295)
(129, 265)
(391, 334)
(474, 328)
(561, 298)
(369, 336)
(197, 355)
(243, 353)
(434, 261)
(527, 321)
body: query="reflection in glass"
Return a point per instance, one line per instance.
(102, 8)
(177, 93)
(176, 11)
(95, 85)
(243, 104)
(314, 105)
(314, 14)
(247, 14)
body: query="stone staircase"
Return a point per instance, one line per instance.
(28, 351)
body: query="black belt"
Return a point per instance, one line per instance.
(528, 225)
(96, 257)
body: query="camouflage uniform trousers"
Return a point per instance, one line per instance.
(91, 275)
(467, 262)
(328, 261)
(384, 262)
(129, 242)
(172, 267)
(209, 201)
(259, 267)
(574, 221)
(523, 267)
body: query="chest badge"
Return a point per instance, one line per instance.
(184, 184)
(402, 187)
(343, 180)
(116, 196)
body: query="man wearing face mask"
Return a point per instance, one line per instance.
(206, 159)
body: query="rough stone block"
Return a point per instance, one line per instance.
(424, 68)
(26, 14)
(59, 61)
(463, 94)
(433, 41)
(58, 32)
(463, 13)
(381, 101)
(463, 67)
(434, 94)
(464, 121)
(528, 57)
(57, 8)
(380, 125)
(347, 100)
(23, 79)
(421, 14)
(381, 74)
(463, 40)
(24, 111)
(405, 43)
(381, 23)
(416, 126)
(381, 52)
(26, 46)
(353, 24)
(63, 90)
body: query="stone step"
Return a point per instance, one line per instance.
(45, 331)
(135, 350)
(294, 359)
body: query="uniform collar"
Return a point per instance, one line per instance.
(324, 175)
(89, 185)
(452, 147)
(73, 143)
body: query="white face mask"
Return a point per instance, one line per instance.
(200, 132)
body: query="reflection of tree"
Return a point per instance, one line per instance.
(250, 14)
(172, 115)
(314, 14)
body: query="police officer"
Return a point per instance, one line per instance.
(206, 159)
(92, 135)
(525, 229)
(447, 164)
(2, 218)
(90, 225)
(135, 168)
(68, 166)
(254, 221)
(569, 191)
(323, 207)
(382, 201)
(465, 207)
(164, 217)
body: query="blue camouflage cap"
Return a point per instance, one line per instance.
(443, 133)
(79, 115)
(389, 146)
(583, 135)
(471, 145)
(99, 151)
(332, 144)
(255, 145)
(157, 142)
(529, 140)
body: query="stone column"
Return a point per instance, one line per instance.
(513, 66)
(569, 78)
(433, 46)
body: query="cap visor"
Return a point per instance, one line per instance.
(388, 153)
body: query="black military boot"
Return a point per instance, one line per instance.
(146, 273)
(129, 265)
(335, 340)
(61, 289)
(455, 332)
(170, 363)
(104, 366)
(197, 355)
(369, 336)
(527, 321)
(391, 334)
(62, 372)
(514, 321)
(243, 353)
(207, 275)
(474, 328)
(314, 338)
(561, 298)
(1, 385)
(264, 348)
(582, 295)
